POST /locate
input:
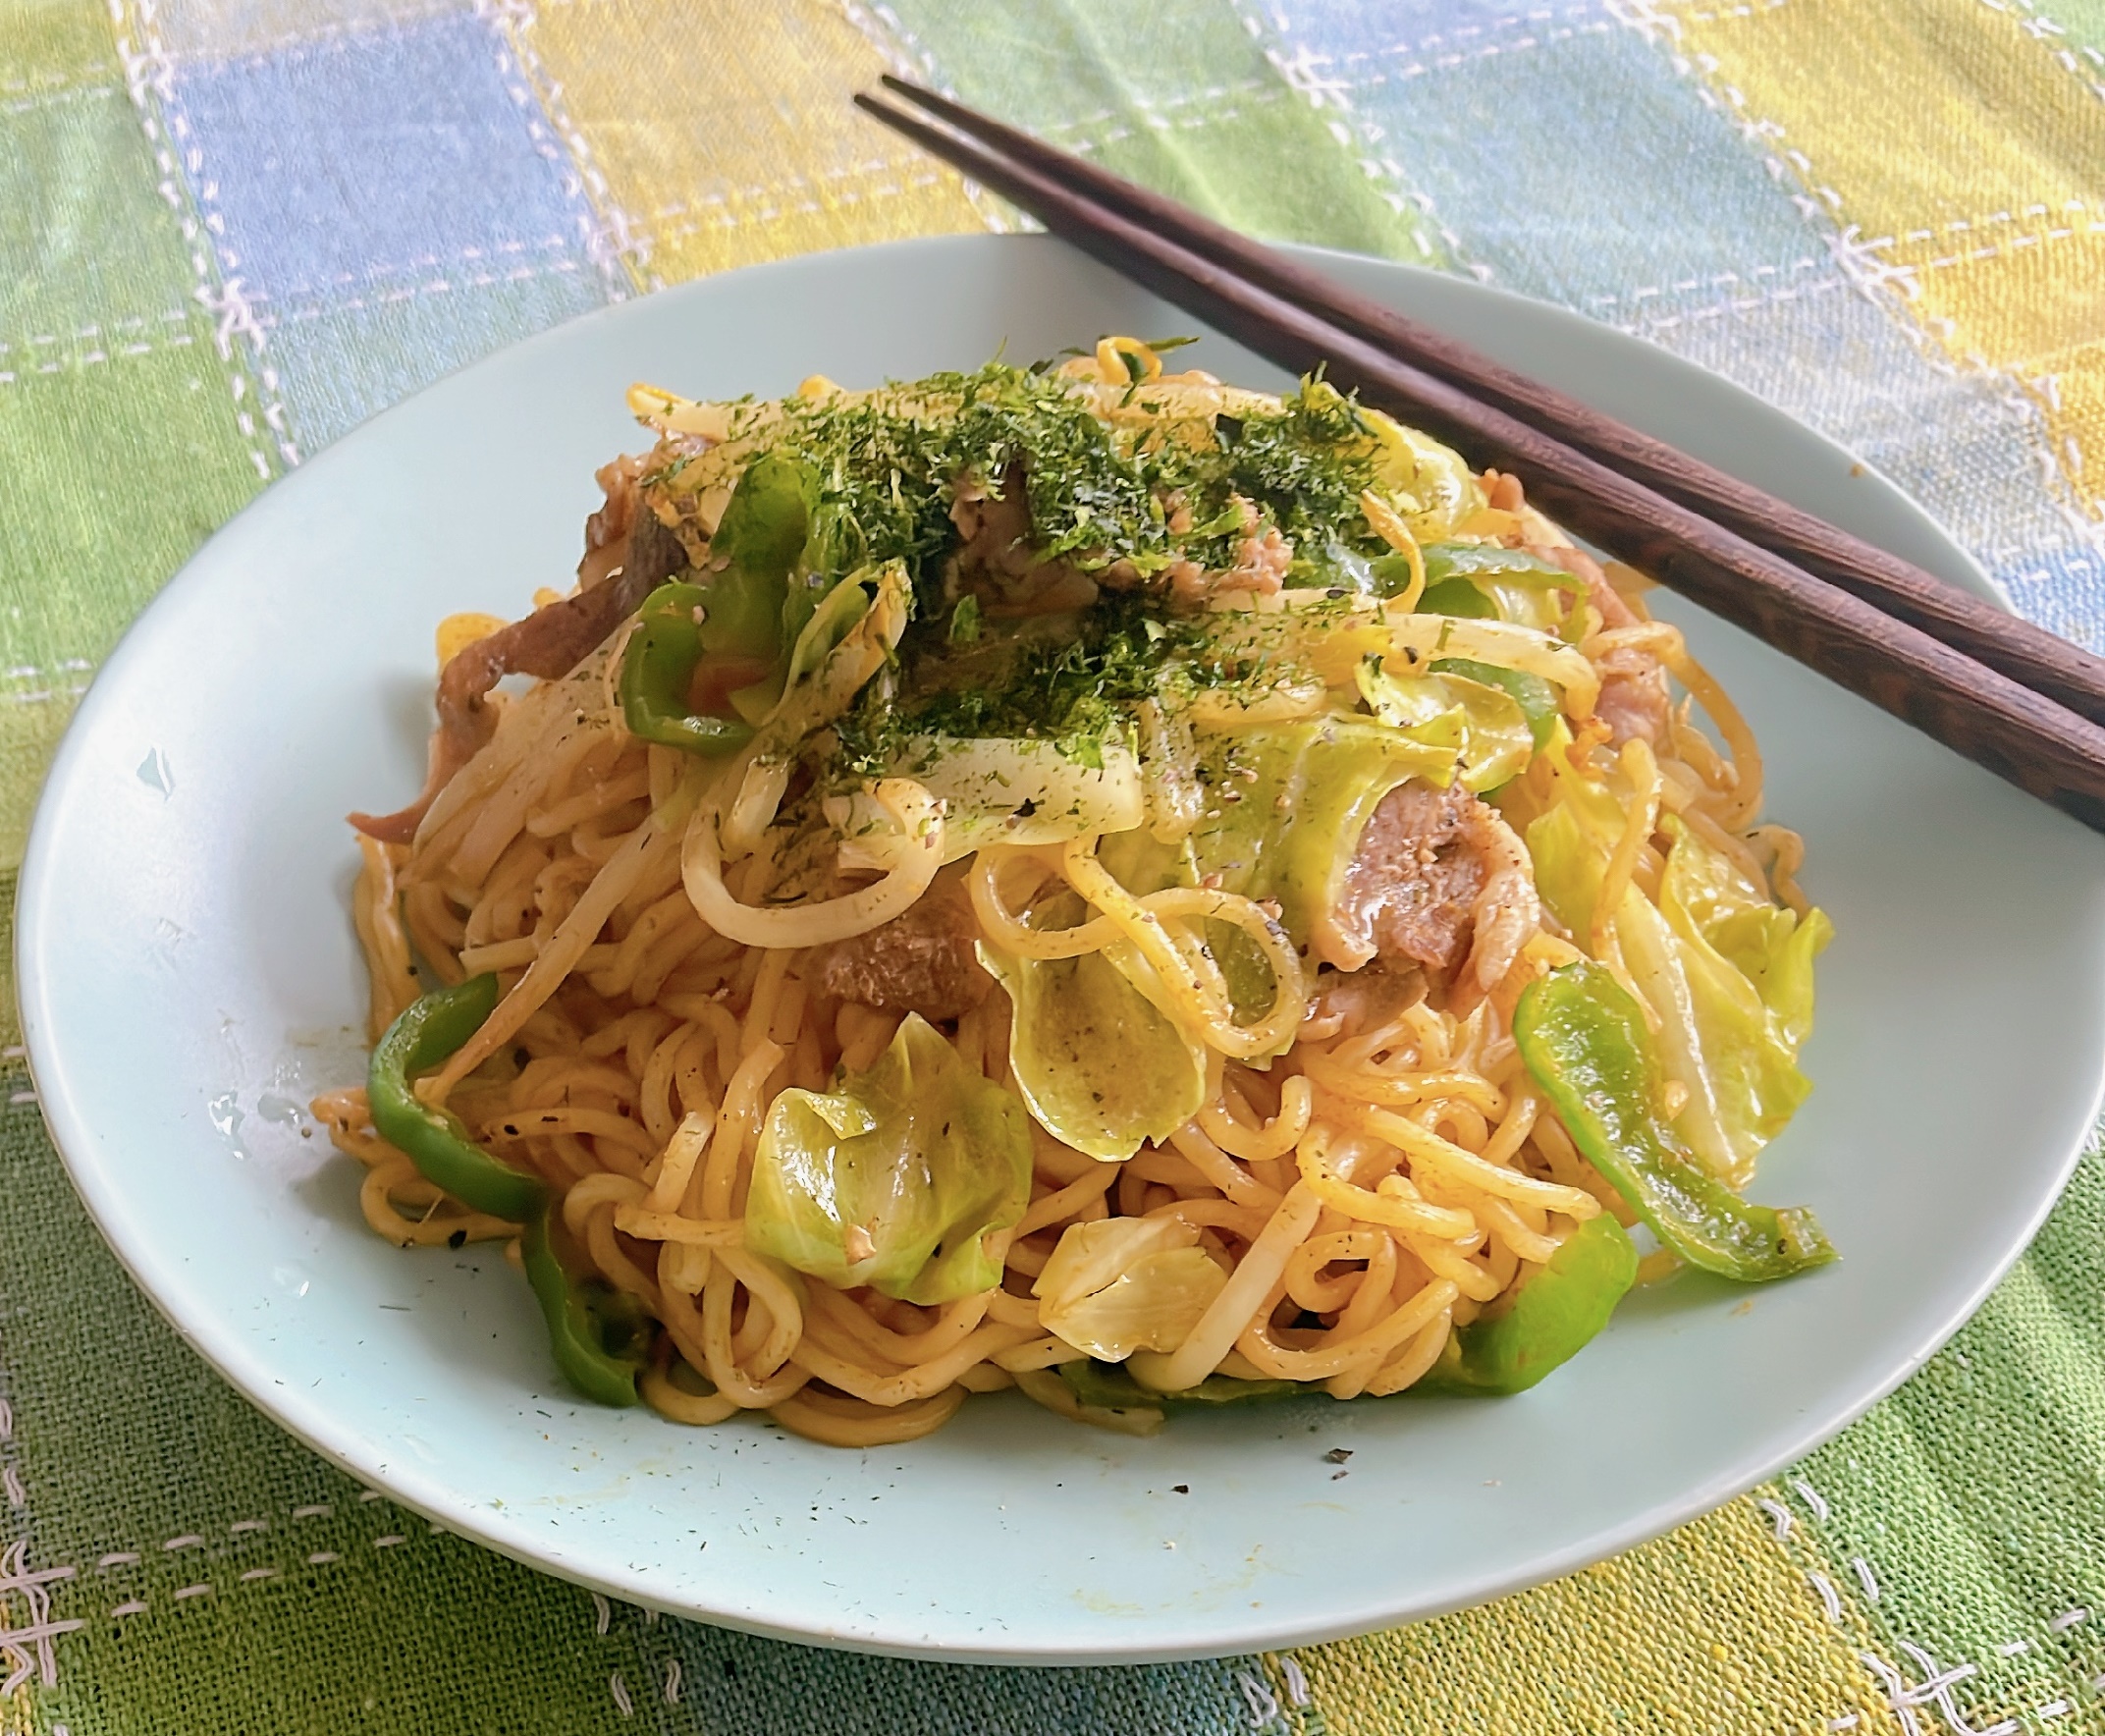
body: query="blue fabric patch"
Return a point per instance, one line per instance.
(338, 362)
(1561, 149)
(1965, 444)
(366, 160)
(2061, 589)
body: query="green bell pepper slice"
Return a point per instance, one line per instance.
(596, 1334)
(599, 1335)
(427, 1031)
(1585, 1042)
(659, 665)
(753, 609)
(1552, 1317)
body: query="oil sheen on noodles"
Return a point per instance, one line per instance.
(1174, 791)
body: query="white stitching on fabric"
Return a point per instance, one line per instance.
(883, 190)
(885, 31)
(149, 81)
(1879, 280)
(601, 1613)
(443, 286)
(1779, 1514)
(310, 41)
(56, 97)
(1937, 1684)
(1723, 280)
(28, 1648)
(619, 1690)
(1302, 73)
(861, 171)
(1445, 63)
(1263, 1702)
(602, 224)
(387, 270)
(1297, 1681)
(1155, 115)
(1469, 33)
(1739, 304)
(2042, 29)
(252, 1576)
(671, 1681)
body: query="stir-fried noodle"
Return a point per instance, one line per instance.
(1077, 943)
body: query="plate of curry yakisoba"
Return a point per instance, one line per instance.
(980, 979)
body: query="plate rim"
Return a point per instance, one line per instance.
(71, 1129)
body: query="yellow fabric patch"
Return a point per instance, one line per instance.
(715, 134)
(1966, 162)
(2029, 301)
(1713, 1627)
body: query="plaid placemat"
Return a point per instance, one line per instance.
(231, 230)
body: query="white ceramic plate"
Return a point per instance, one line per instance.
(188, 978)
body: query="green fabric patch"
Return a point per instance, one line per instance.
(1974, 1496)
(135, 1449)
(80, 197)
(116, 412)
(1176, 96)
(80, 553)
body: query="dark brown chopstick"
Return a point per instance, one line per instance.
(2041, 746)
(2028, 655)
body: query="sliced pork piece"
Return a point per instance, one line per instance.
(995, 558)
(1409, 892)
(1633, 699)
(922, 961)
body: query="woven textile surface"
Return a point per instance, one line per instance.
(232, 230)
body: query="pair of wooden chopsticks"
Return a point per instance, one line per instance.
(2011, 697)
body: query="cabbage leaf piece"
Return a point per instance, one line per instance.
(1122, 1284)
(1749, 968)
(1101, 1065)
(1306, 790)
(1482, 579)
(1728, 972)
(1483, 725)
(1021, 790)
(895, 1179)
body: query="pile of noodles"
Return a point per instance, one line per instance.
(1372, 1189)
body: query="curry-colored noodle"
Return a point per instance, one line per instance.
(1363, 1165)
